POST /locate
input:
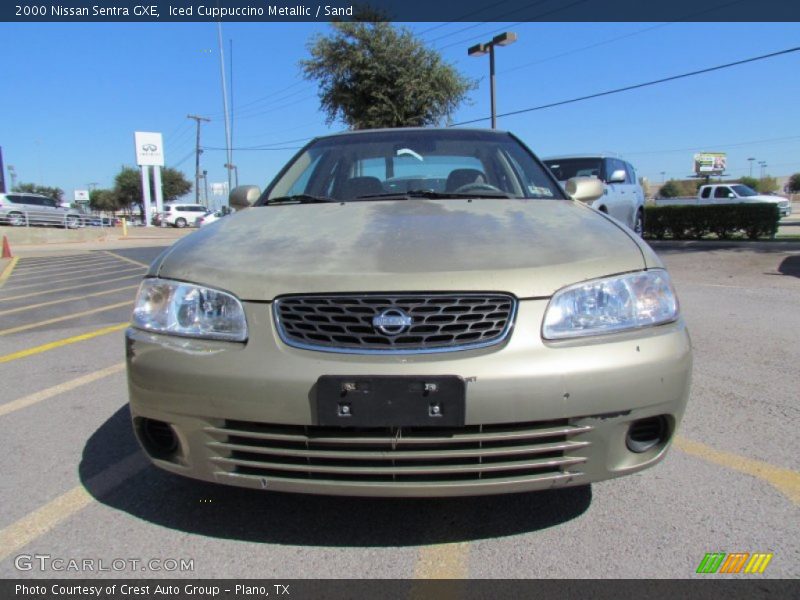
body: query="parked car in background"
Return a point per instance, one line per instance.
(179, 214)
(623, 196)
(729, 193)
(344, 336)
(19, 209)
(213, 215)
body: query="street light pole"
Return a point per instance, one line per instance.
(751, 166)
(504, 39)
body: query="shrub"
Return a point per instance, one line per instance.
(794, 183)
(695, 221)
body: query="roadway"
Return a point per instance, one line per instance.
(76, 485)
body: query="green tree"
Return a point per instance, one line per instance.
(794, 183)
(44, 190)
(128, 187)
(750, 182)
(373, 74)
(767, 185)
(669, 190)
(103, 200)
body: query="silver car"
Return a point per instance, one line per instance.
(409, 312)
(18, 209)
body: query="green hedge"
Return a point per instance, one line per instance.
(724, 220)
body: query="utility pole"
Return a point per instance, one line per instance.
(197, 153)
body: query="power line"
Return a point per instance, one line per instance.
(705, 146)
(633, 87)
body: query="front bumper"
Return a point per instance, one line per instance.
(538, 415)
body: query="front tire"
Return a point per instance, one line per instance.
(72, 222)
(638, 223)
(180, 222)
(16, 219)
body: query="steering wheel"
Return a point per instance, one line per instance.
(477, 187)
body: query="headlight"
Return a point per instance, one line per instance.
(189, 310)
(611, 304)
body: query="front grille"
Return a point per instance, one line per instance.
(439, 322)
(407, 455)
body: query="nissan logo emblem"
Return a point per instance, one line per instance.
(149, 147)
(392, 321)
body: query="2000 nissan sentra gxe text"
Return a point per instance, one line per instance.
(409, 312)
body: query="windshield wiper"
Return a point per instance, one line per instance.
(435, 195)
(300, 199)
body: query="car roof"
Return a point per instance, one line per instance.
(587, 155)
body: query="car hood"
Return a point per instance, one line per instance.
(530, 248)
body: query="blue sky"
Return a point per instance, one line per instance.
(73, 94)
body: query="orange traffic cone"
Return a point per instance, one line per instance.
(6, 248)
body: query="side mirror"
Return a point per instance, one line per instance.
(617, 176)
(584, 189)
(244, 196)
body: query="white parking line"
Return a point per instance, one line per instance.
(92, 311)
(61, 388)
(44, 519)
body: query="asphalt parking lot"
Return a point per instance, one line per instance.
(76, 486)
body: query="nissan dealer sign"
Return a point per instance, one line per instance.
(149, 148)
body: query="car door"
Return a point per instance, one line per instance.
(52, 212)
(34, 209)
(722, 195)
(617, 191)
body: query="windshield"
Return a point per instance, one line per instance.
(744, 191)
(567, 168)
(399, 162)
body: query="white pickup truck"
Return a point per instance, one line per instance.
(728, 193)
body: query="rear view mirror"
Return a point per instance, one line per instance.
(243, 196)
(617, 176)
(584, 189)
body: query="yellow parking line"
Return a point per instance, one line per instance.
(29, 285)
(59, 343)
(785, 481)
(55, 268)
(7, 270)
(125, 258)
(83, 313)
(64, 289)
(442, 561)
(62, 300)
(61, 388)
(36, 524)
(49, 277)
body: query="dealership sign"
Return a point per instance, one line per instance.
(81, 195)
(710, 163)
(149, 148)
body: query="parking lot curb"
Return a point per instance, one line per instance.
(769, 246)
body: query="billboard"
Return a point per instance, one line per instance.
(710, 163)
(149, 148)
(81, 195)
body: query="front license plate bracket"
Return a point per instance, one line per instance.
(390, 401)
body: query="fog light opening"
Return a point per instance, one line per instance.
(645, 434)
(158, 438)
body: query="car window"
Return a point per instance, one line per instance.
(631, 173)
(706, 192)
(721, 192)
(32, 200)
(364, 165)
(16, 199)
(567, 168)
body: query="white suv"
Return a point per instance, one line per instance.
(19, 208)
(623, 197)
(179, 214)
